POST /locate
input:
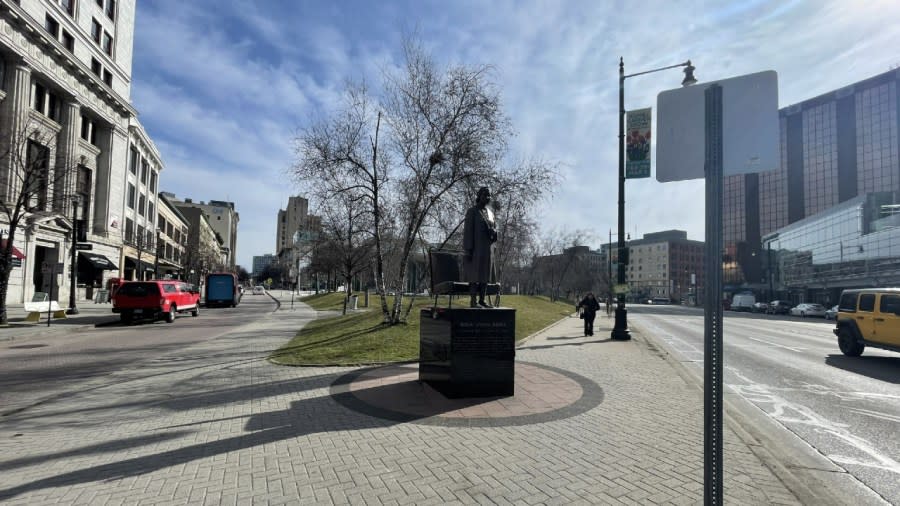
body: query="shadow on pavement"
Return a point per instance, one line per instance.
(879, 368)
(304, 417)
(106, 447)
(582, 343)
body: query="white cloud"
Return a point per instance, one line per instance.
(224, 85)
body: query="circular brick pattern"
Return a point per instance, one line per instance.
(394, 392)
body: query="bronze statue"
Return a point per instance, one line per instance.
(479, 236)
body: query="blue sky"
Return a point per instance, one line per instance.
(222, 86)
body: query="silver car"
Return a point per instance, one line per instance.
(807, 309)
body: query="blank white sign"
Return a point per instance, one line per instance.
(749, 127)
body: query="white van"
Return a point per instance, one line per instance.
(743, 302)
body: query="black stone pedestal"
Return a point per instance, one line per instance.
(468, 352)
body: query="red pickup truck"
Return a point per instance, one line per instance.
(155, 299)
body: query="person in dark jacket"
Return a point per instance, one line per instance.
(589, 306)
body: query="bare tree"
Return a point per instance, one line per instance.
(346, 235)
(559, 259)
(33, 186)
(432, 131)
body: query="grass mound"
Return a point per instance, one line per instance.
(361, 338)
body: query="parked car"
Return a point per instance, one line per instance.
(259, 290)
(807, 309)
(760, 307)
(779, 307)
(155, 299)
(660, 300)
(831, 314)
(743, 302)
(868, 317)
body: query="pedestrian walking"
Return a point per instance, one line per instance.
(589, 307)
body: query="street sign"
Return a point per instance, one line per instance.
(621, 288)
(84, 246)
(637, 144)
(749, 127)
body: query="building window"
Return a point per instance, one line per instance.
(130, 196)
(111, 9)
(142, 203)
(52, 26)
(96, 30)
(133, 160)
(96, 68)
(153, 181)
(68, 6)
(45, 102)
(129, 230)
(83, 189)
(68, 41)
(107, 43)
(37, 167)
(150, 209)
(107, 77)
(144, 170)
(88, 130)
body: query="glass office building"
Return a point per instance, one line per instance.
(835, 148)
(854, 244)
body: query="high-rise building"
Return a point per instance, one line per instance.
(223, 219)
(835, 148)
(260, 262)
(65, 78)
(290, 220)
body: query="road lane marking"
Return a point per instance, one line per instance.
(798, 350)
(788, 412)
(877, 414)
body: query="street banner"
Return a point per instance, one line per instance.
(637, 144)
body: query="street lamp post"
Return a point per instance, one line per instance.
(620, 330)
(73, 309)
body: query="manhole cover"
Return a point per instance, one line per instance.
(26, 346)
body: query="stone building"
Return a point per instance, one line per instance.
(65, 86)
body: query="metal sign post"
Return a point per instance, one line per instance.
(712, 327)
(736, 120)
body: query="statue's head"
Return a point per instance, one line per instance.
(483, 197)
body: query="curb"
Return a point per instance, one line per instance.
(760, 432)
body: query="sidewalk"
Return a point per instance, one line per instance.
(593, 421)
(89, 314)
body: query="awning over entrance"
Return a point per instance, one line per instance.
(131, 263)
(15, 251)
(98, 261)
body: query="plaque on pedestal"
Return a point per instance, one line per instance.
(468, 352)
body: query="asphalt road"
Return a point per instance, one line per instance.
(791, 368)
(39, 370)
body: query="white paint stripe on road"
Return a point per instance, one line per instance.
(788, 412)
(877, 414)
(798, 350)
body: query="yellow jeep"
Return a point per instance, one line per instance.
(868, 317)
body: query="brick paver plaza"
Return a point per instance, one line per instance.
(593, 421)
